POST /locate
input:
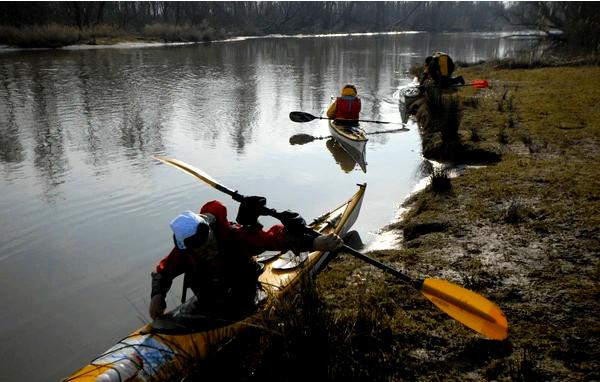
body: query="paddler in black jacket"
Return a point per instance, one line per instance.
(216, 255)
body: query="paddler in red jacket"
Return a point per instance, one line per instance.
(346, 109)
(216, 255)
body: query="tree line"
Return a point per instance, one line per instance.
(579, 21)
(261, 17)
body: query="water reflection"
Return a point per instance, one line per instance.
(11, 148)
(92, 137)
(340, 156)
(49, 152)
(112, 104)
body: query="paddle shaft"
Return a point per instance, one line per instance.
(301, 116)
(386, 268)
(450, 299)
(271, 212)
(364, 120)
(480, 84)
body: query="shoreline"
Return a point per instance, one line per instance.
(136, 41)
(523, 231)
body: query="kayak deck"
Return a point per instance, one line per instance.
(152, 353)
(351, 133)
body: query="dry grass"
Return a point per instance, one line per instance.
(55, 36)
(51, 36)
(181, 33)
(525, 231)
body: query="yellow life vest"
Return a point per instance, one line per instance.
(443, 63)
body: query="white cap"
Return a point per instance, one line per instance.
(185, 225)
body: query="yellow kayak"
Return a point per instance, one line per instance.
(169, 346)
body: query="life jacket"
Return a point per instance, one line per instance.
(445, 64)
(347, 107)
(221, 276)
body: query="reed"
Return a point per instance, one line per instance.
(50, 36)
(178, 33)
(56, 36)
(440, 181)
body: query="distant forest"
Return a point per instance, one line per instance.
(579, 21)
(266, 17)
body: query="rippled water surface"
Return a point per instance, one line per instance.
(85, 210)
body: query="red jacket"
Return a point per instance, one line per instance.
(347, 107)
(236, 245)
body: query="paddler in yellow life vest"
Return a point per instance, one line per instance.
(346, 109)
(439, 67)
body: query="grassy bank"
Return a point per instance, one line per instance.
(56, 36)
(523, 231)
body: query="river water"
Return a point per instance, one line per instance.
(85, 210)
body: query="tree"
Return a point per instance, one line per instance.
(579, 22)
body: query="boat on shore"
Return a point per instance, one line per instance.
(353, 140)
(406, 96)
(168, 347)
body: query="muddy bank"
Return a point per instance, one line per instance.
(523, 231)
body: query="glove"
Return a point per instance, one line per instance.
(292, 221)
(329, 242)
(157, 306)
(251, 207)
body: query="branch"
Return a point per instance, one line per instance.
(401, 21)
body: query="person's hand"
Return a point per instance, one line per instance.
(251, 207)
(292, 221)
(157, 306)
(329, 242)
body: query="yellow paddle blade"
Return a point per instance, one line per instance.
(470, 308)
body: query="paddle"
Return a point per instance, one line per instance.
(301, 139)
(477, 84)
(465, 306)
(300, 116)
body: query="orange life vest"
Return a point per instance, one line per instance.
(347, 107)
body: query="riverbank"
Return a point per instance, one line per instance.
(59, 36)
(524, 232)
